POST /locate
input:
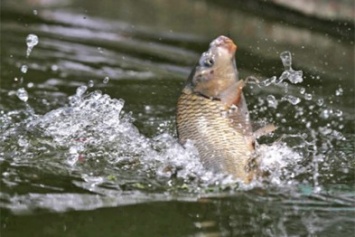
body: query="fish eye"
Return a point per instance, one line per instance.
(207, 61)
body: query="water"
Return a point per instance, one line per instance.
(31, 41)
(88, 137)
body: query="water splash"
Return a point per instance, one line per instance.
(22, 94)
(31, 41)
(290, 74)
(272, 101)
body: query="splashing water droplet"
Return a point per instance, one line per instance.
(320, 102)
(338, 113)
(31, 41)
(295, 76)
(272, 102)
(325, 114)
(286, 59)
(308, 96)
(339, 92)
(24, 68)
(302, 90)
(106, 80)
(22, 94)
(54, 68)
(81, 90)
(268, 81)
(292, 99)
(290, 74)
(91, 83)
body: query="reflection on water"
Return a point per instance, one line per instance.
(87, 123)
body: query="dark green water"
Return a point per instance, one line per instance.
(79, 162)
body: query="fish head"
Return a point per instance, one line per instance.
(216, 70)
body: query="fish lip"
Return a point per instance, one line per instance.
(224, 42)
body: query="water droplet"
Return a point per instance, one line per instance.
(308, 96)
(272, 102)
(338, 113)
(320, 101)
(81, 90)
(268, 81)
(54, 68)
(31, 41)
(24, 68)
(302, 90)
(325, 114)
(106, 80)
(308, 124)
(339, 92)
(286, 59)
(284, 75)
(295, 76)
(22, 94)
(30, 85)
(35, 12)
(147, 108)
(292, 99)
(91, 83)
(100, 49)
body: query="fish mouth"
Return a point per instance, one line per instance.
(224, 42)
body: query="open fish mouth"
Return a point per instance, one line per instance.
(224, 42)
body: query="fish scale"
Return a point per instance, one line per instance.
(222, 147)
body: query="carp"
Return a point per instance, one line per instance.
(212, 113)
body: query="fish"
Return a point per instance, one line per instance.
(212, 113)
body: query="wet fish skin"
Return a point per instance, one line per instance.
(212, 113)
